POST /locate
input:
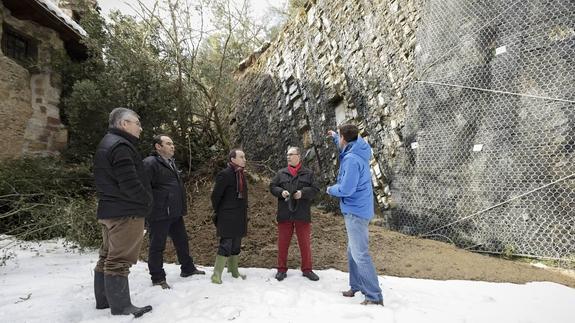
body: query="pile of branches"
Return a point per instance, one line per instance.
(44, 198)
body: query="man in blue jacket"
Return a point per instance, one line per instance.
(355, 192)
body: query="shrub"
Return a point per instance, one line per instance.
(43, 198)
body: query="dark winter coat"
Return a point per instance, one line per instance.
(167, 189)
(292, 209)
(121, 181)
(231, 212)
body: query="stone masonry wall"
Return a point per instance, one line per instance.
(338, 61)
(29, 97)
(469, 107)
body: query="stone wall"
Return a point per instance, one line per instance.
(15, 107)
(488, 159)
(29, 96)
(469, 107)
(337, 61)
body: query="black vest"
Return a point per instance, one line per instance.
(114, 202)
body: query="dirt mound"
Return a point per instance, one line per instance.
(393, 253)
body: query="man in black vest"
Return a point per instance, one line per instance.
(124, 200)
(167, 214)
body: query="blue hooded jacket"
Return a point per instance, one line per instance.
(354, 186)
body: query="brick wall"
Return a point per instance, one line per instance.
(29, 96)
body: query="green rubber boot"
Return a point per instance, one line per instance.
(233, 267)
(218, 269)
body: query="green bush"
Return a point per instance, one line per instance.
(44, 198)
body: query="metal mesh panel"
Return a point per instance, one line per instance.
(490, 128)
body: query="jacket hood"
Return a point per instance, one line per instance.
(359, 147)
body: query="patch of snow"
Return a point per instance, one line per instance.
(67, 19)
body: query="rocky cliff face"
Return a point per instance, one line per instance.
(338, 61)
(469, 107)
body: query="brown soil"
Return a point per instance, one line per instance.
(393, 253)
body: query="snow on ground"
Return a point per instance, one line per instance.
(48, 282)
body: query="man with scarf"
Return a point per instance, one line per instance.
(230, 204)
(355, 192)
(295, 189)
(169, 208)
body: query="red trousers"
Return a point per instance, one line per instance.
(303, 233)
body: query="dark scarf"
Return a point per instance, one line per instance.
(240, 179)
(294, 169)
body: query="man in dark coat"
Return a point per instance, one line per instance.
(124, 200)
(295, 188)
(230, 203)
(168, 211)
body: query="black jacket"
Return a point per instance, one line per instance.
(231, 211)
(294, 209)
(167, 188)
(121, 182)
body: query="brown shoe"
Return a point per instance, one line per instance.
(370, 302)
(163, 284)
(349, 293)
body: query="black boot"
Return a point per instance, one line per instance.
(100, 291)
(118, 293)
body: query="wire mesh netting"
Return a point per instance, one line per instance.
(490, 128)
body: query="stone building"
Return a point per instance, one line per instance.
(29, 89)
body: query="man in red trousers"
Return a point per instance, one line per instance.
(295, 188)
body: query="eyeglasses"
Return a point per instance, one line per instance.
(136, 122)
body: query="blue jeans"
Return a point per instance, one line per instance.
(362, 275)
